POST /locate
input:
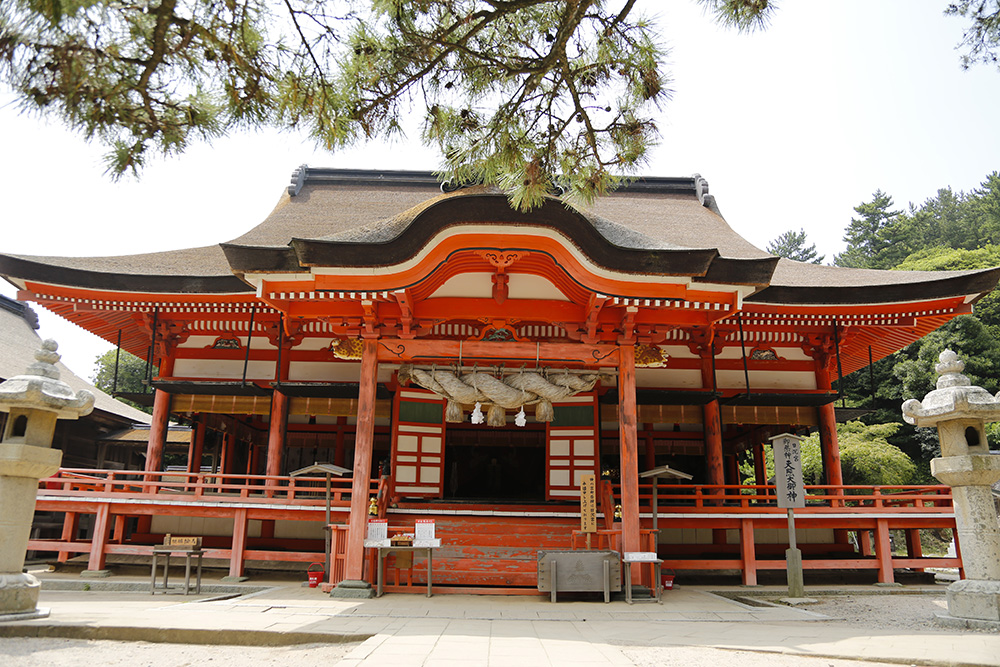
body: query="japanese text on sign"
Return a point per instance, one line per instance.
(588, 504)
(788, 471)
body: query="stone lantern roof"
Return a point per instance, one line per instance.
(954, 398)
(40, 388)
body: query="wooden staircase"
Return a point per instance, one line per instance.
(487, 554)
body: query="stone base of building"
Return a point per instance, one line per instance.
(352, 590)
(974, 599)
(95, 574)
(18, 593)
(966, 623)
(234, 579)
(42, 612)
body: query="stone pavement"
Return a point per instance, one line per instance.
(404, 630)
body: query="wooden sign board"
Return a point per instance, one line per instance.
(641, 557)
(588, 504)
(191, 542)
(423, 529)
(378, 529)
(788, 471)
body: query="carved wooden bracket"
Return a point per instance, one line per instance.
(501, 259)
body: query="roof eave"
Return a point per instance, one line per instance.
(977, 284)
(24, 269)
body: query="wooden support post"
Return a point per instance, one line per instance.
(361, 483)
(713, 445)
(276, 437)
(157, 434)
(228, 454)
(748, 552)
(719, 536)
(99, 541)
(712, 422)
(338, 452)
(267, 529)
(732, 469)
(198, 448)
(865, 542)
(70, 529)
(650, 447)
(759, 467)
(913, 547)
(830, 447)
(118, 535)
(144, 525)
(629, 456)
(240, 526)
(883, 550)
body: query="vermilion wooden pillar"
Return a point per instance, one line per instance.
(276, 434)
(279, 420)
(629, 450)
(828, 429)
(197, 446)
(361, 484)
(712, 428)
(159, 423)
(759, 466)
(650, 447)
(338, 452)
(157, 431)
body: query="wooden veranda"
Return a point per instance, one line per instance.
(489, 548)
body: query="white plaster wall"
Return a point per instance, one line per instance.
(223, 369)
(333, 371)
(760, 380)
(525, 286)
(466, 285)
(668, 377)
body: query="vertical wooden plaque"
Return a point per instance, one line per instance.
(588, 503)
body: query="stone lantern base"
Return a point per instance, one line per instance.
(973, 603)
(19, 597)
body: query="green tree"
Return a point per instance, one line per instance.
(792, 245)
(519, 93)
(866, 236)
(866, 456)
(983, 206)
(981, 40)
(130, 378)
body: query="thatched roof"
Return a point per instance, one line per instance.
(342, 217)
(20, 342)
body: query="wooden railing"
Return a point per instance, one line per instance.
(217, 486)
(761, 498)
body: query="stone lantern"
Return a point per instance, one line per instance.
(959, 410)
(35, 401)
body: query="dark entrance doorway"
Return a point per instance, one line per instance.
(506, 464)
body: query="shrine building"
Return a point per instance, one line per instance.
(471, 363)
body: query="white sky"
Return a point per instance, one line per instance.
(792, 127)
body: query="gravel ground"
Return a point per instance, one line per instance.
(883, 612)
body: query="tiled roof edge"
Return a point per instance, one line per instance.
(305, 175)
(20, 309)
